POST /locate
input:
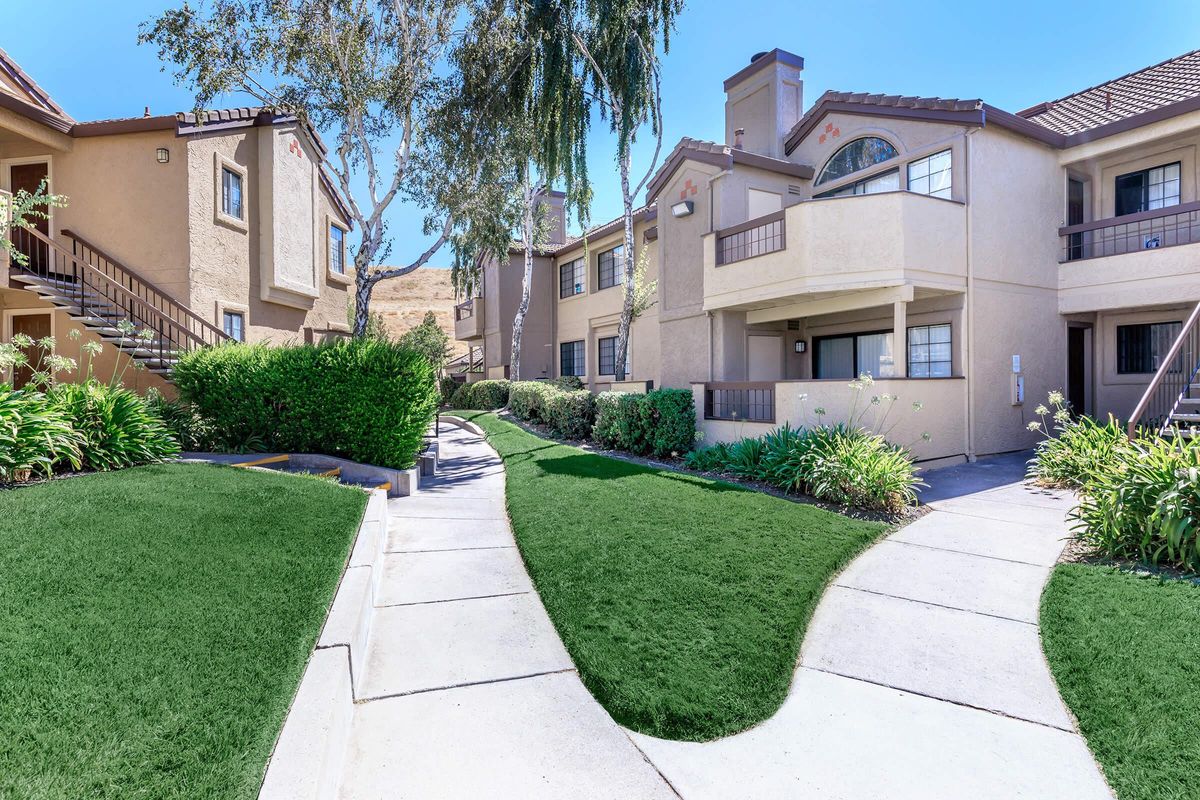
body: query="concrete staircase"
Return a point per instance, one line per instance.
(124, 309)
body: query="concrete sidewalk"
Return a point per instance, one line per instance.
(467, 690)
(922, 673)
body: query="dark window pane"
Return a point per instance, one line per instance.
(1131, 193)
(570, 356)
(855, 156)
(1142, 348)
(570, 278)
(608, 356)
(608, 265)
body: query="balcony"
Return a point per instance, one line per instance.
(1133, 260)
(468, 320)
(837, 245)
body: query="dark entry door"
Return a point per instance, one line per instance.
(29, 177)
(36, 327)
(1077, 369)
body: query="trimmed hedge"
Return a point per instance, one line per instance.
(481, 395)
(368, 400)
(529, 401)
(605, 432)
(571, 414)
(660, 423)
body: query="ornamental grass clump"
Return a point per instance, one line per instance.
(34, 436)
(849, 464)
(1075, 448)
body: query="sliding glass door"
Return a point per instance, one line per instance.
(849, 356)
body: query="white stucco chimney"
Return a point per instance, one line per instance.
(764, 99)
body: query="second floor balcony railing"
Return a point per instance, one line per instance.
(464, 310)
(1132, 233)
(755, 237)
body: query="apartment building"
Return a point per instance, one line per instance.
(198, 229)
(970, 259)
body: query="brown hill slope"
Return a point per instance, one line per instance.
(404, 301)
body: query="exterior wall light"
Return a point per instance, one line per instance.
(682, 209)
(163, 155)
(801, 345)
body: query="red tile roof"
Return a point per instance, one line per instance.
(1163, 84)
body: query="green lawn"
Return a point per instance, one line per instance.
(1126, 653)
(682, 600)
(154, 624)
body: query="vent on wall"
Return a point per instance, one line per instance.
(793, 189)
(793, 324)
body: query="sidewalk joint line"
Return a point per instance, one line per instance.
(959, 703)
(466, 684)
(965, 553)
(450, 549)
(935, 605)
(453, 599)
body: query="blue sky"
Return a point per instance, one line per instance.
(1012, 55)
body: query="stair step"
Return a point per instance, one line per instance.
(1185, 418)
(1182, 433)
(1190, 401)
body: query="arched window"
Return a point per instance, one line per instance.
(855, 156)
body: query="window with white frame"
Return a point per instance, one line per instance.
(571, 359)
(570, 278)
(231, 194)
(337, 249)
(234, 325)
(931, 175)
(929, 351)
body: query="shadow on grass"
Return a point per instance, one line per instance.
(585, 465)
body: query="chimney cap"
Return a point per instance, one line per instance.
(762, 60)
(758, 55)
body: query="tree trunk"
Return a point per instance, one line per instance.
(527, 233)
(363, 286)
(630, 261)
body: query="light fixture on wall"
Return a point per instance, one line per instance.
(801, 345)
(683, 208)
(163, 155)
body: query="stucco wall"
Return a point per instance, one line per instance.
(796, 402)
(228, 264)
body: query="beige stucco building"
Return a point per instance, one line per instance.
(196, 229)
(969, 258)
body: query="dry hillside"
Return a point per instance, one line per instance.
(404, 301)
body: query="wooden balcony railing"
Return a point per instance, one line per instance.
(1132, 233)
(1176, 374)
(464, 310)
(755, 237)
(752, 401)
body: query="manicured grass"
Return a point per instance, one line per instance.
(1126, 653)
(682, 600)
(154, 624)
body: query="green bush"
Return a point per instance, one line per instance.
(568, 383)
(191, 430)
(34, 436)
(1081, 448)
(605, 431)
(529, 401)
(839, 464)
(571, 414)
(368, 400)
(631, 429)
(117, 429)
(1143, 503)
(668, 421)
(481, 396)
(447, 386)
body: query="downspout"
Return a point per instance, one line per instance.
(969, 346)
(712, 226)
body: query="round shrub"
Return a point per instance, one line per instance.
(605, 431)
(447, 386)
(368, 400)
(571, 414)
(630, 426)
(490, 395)
(668, 421)
(529, 400)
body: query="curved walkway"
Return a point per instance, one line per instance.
(468, 692)
(921, 674)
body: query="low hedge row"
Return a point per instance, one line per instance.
(368, 400)
(481, 395)
(660, 423)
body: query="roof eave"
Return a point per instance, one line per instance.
(824, 107)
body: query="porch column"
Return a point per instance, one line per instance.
(900, 339)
